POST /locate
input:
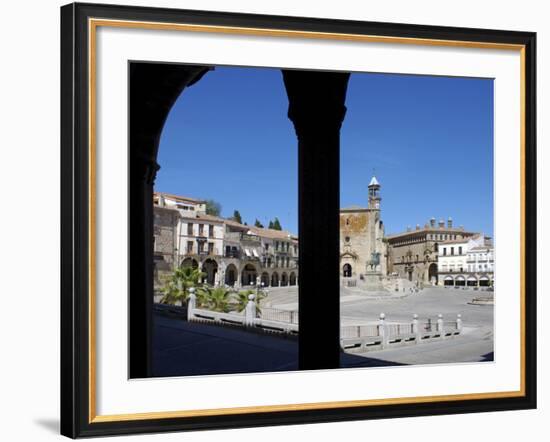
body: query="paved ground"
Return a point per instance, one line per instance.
(181, 348)
(359, 308)
(356, 308)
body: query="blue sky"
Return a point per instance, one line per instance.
(429, 140)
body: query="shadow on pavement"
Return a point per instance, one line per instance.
(348, 360)
(182, 348)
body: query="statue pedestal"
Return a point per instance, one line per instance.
(373, 281)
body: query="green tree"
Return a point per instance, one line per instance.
(257, 223)
(241, 299)
(213, 208)
(177, 287)
(270, 224)
(237, 217)
(217, 299)
(277, 224)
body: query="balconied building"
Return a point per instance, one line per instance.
(229, 253)
(413, 254)
(467, 263)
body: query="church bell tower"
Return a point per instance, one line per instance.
(374, 194)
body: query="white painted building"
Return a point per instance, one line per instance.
(185, 205)
(466, 262)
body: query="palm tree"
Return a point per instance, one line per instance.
(177, 287)
(217, 299)
(188, 277)
(171, 293)
(241, 299)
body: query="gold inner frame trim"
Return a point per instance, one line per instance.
(92, 28)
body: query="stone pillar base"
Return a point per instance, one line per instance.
(373, 281)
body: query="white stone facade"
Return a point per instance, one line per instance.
(467, 263)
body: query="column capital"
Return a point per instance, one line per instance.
(316, 100)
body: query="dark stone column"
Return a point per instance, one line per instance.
(153, 90)
(316, 107)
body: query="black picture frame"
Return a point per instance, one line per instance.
(318, 195)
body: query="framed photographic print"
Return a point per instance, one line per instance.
(274, 220)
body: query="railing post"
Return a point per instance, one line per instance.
(191, 304)
(250, 311)
(440, 325)
(415, 329)
(459, 323)
(382, 330)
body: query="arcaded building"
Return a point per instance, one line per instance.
(229, 253)
(467, 262)
(362, 246)
(413, 254)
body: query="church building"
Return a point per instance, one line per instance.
(363, 251)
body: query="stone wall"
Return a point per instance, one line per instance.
(164, 251)
(361, 234)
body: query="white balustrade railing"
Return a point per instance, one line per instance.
(359, 339)
(353, 338)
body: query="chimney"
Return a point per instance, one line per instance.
(418, 227)
(450, 223)
(161, 201)
(432, 222)
(441, 224)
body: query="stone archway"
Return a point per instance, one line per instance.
(347, 270)
(292, 278)
(248, 275)
(460, 281)
(484, 281)
(274, 279)
(316, 108)
(284, 279)
(448, 281)
(433, 274)
(231, 275)
(210, 267)
(265, 279)
(190, 262)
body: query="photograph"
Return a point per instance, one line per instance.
(417, 287)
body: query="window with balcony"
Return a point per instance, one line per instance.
(210, 231)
